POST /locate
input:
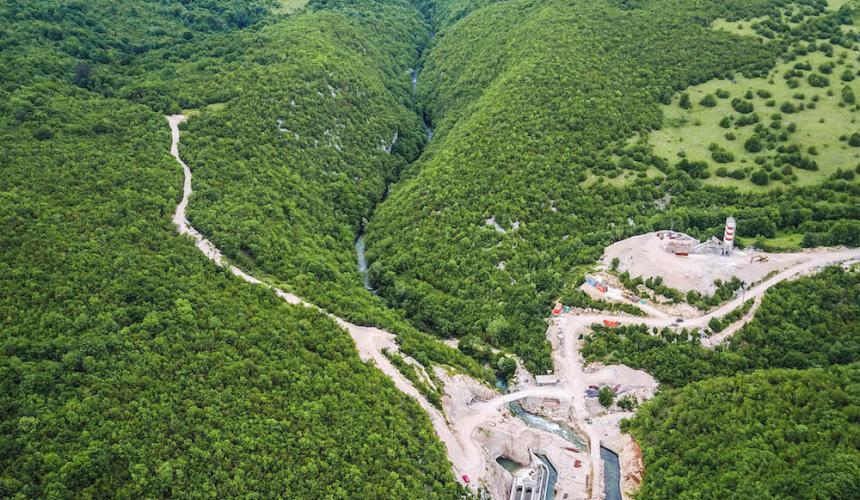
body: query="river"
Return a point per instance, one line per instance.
(362, 263)
(547, 425)
(611, 474)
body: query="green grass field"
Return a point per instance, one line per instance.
(743, 28)
(691, 131)
(626, 178)
(785, 241)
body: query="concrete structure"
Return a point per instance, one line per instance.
(729, 236)
(683, 245)
(546, 380)
(530, 483)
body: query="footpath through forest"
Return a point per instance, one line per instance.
(467, 455)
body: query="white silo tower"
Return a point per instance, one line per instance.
(729, 236)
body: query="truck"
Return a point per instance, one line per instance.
(611, 323)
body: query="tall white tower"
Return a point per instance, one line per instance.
(729, 236)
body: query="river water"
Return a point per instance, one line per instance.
(544, 424)
(362, 263)
(611, 474)
(553, 477)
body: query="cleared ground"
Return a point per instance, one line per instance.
(690, 132)
(645, 256)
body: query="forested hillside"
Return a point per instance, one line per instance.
(534, 167)
(287, 169)
(770, 434)
(490, 149)
(807, 323)
(131, 366)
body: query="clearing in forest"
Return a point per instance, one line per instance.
(288, 6)
(793, 128)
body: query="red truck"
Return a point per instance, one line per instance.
(611, 323)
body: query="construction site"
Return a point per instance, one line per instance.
(685, 263)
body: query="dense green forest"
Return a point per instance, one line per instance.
(536, 106)
(131, 366)
(769, 434)
(811, 322)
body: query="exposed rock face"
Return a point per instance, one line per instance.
(510, 437)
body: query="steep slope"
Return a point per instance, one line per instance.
(770, 434)
(536, 104)
(811, 322)
(133, 367)
(298, 127)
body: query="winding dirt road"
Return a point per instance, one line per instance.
(466, 454)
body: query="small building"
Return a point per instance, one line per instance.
(546, 380)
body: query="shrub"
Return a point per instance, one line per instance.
(854, 140)
(696, 169)
(745, 120)
(847, 75)
(723, 94)
(684, 102)
(726, 122)
(848, 95)
(606, 395)
(753, 144)
(708, 101)
(720, 154)
(817, 80)
(628, 402)
(760, 177)
(742, 106)
(787, 107)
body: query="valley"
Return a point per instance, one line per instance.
(526, 249)
(472, 427)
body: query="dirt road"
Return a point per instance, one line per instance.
(465, 455)
(464, 450)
